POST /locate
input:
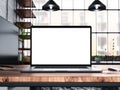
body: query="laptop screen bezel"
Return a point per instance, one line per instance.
(60, 65)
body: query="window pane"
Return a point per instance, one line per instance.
(88, 3)
(56, 18)
(27, 30)
(39, 3)
(105, 2)
(90, 19)
(114, 44)
(58, 2)
(20, 44)
(67, 4)
(42, 18)
(79, 4)
(113, 21)
(101, 44)
(79, 18)
(26, 43)
(26, 52)
(119, 4)
(112, 4)
(118, 21)
(101, 21)
(94, 45)
(67, 17)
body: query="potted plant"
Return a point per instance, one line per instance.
(98, 58)
(23, 36)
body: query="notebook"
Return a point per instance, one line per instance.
(61, 49)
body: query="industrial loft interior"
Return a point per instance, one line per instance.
(18, 16)
(105, 23)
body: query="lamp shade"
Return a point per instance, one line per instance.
(97, 5)
(50, 5)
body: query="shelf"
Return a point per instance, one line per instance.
(26, 3)
(24, 25)
(24, 48)
(25, 13)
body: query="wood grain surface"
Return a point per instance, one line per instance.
(14, 75)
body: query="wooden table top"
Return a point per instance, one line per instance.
(14, 75)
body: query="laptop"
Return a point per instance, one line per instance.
(60, 49)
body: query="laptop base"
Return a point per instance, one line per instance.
(62, 70)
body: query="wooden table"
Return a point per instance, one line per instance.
(13, 77)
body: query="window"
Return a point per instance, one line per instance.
(105, 24)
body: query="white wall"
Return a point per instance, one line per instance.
(3, 8)
(7, 10)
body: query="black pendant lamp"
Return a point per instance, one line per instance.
(97, 5)
(50, 5)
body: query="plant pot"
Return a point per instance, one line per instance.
(98, 59)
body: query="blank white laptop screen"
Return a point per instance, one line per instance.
(62, 45)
